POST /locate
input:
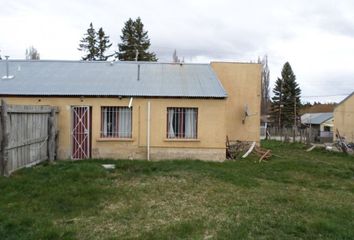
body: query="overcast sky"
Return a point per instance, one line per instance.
(316, 37)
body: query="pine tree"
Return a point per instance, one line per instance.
(292, 93)
(135, 43)
(88, 44)
(32, 54)
(127, 49)
(286, 101)
(103, 44)
(277, 103)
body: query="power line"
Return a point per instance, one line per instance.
(336, 95)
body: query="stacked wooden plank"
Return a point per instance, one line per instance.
(238, 149)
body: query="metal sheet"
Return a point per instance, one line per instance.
(316, 118)
(81, 78)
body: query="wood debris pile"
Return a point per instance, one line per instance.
(235, 149)
(241, 149)
(264, 154)
(342, 145)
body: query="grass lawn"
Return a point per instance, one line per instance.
(298, 195)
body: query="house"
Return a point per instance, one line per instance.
(344, 118)
(321, 125)
(140, 110)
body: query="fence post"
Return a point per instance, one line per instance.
(51, 136)
(4, 139)
(308, 137)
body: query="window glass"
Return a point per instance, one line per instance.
(182, 122)
(116, 122)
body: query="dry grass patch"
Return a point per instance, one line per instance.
(158, 202)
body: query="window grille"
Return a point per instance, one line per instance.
(182, 123)
(116, 122)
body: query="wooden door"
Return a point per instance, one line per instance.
(81, 132)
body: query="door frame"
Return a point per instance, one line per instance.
(87, 153)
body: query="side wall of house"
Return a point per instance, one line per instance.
(344, 119)
(210, 144)
(242, 82)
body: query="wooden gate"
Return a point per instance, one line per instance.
(81, 132)
(27, 136)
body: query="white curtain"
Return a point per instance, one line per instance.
(105, 120)
(190, 131)
(125, 123)
(171, 132)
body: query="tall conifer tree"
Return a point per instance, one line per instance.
(88, 44)
(103, 44)
(292, 93)
(286, 101)
(135, 43)
(95, 44)
(277, 103)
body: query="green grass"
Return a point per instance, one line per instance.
(299, 195)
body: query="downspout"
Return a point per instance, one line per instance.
(148, 132)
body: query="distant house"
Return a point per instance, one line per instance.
(140, 110)
(321, 125)
(344, 118)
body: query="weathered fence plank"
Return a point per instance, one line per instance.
(51, 136)
(27, 136)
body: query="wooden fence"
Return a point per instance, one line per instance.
(304, 135)
(27, 136)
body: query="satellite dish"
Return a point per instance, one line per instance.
(247, 113)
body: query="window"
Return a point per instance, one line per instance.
(182, 123)
(116, 122)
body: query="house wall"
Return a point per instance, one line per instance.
(242, 82)
(344, 119)
(217, 118)
(210, 144)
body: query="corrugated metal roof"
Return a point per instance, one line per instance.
(80, 78)
(316, 118)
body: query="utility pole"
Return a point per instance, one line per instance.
(294, 128)
(280, 105)
(136, 54)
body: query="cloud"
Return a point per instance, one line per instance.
(316, 37)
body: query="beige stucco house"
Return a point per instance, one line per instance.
(344, 118)
(140, 110)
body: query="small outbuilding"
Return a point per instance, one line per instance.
(344, 118)
(140, 110)
(321, 125)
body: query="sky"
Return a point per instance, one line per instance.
(316, 37)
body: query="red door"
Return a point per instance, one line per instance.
(80, 132)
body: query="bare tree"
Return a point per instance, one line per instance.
(265, 85)
(175, 58)
(32, 53)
